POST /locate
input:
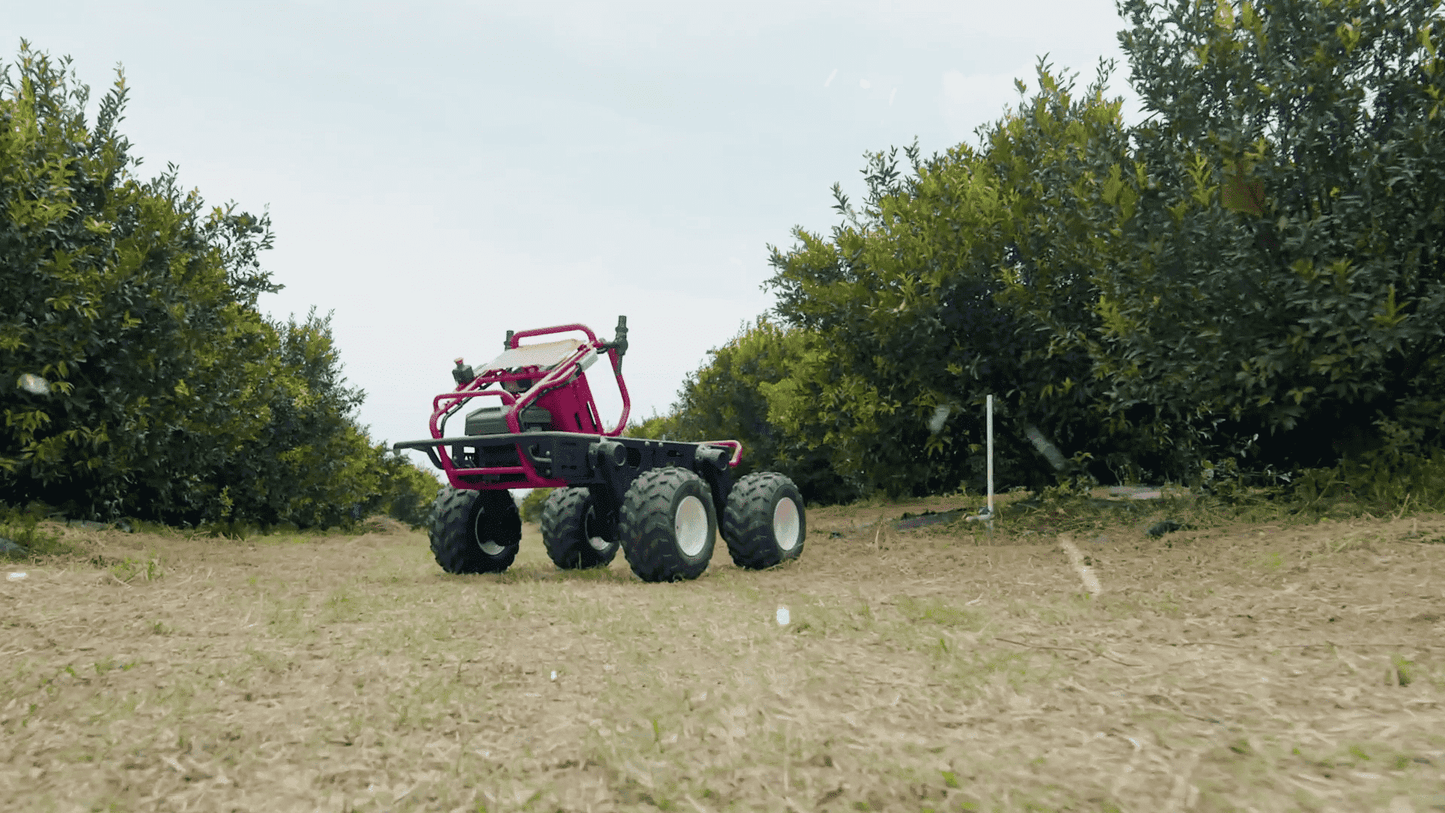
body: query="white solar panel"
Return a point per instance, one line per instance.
(544, 355)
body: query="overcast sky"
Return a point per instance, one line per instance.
(438, 173)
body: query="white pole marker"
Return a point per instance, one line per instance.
(988, 408)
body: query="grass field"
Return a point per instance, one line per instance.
(1261, 666)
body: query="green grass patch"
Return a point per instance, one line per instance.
(24, 528)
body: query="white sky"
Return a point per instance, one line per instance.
(437, 175)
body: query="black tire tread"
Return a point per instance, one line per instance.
(647, 530)
(453, 542)
(564, 531)
(747, 525)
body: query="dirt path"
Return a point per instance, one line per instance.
(1242, 668)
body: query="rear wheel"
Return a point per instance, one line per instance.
(764, 524)
(475, 531)
(572, 531)
(668, 525)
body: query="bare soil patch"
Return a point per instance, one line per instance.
(1245, 667)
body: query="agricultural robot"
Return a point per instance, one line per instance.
(658, 500)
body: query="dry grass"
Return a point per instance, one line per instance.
(1250, 667)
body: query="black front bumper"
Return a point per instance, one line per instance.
(523, 460)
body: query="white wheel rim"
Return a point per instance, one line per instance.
(787, 528)
(598, 543)
(488, 547)
(690, 526)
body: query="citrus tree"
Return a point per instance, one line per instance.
(969, 276)
(117, 296)
(1284, 291)
(728, 398)
(137, 376)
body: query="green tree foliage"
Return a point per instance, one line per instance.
(136, 374)
(407, 492)
(1287, 283)
(728, 398)
(970, 276)
(1256, 270)
(531, 505)
(114, 294)
(310, 464)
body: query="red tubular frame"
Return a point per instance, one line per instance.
(445, 405)
(593, 342)
(558, 380)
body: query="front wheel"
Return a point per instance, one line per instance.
(668, 525)
(475, 531)
(572, 531)
(764, 524)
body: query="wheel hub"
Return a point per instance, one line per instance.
(589, 529)
(690, 525)
(786, 527)
(483, 537)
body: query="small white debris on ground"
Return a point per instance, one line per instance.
(1136, 492)
(783, 617)
(1086, 573)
